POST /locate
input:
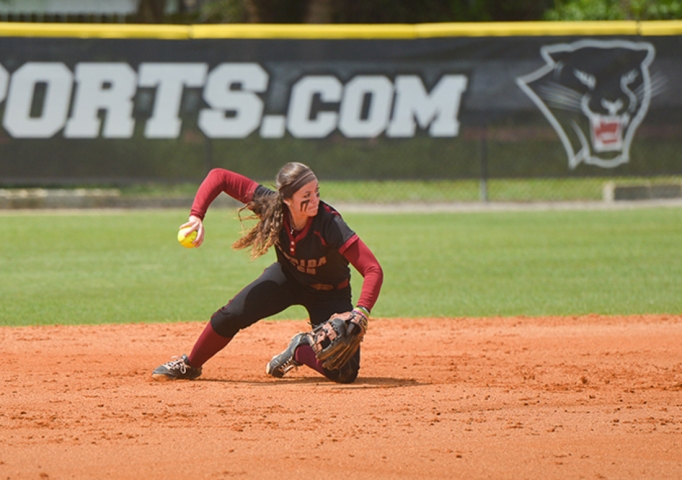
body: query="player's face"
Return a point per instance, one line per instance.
(306, 200)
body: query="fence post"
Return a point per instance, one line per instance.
(483, 161)
(208, 154)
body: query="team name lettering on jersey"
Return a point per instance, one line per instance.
(306, 265)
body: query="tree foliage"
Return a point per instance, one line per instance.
(362, 11)
(406, 11)
(615, 10)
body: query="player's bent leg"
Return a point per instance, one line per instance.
(319, 313)
(304, 355)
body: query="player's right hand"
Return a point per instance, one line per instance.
(197, 225)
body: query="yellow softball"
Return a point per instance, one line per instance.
(185, 237)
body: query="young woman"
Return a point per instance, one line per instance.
(314, 248)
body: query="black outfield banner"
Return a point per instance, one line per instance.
(100, 110)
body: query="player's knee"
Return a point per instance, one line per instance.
(347, 377)
(346, 374)
(225, 323)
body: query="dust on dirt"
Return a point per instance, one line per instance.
(551, 398)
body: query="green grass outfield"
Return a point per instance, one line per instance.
(498, 190)
(127, 267)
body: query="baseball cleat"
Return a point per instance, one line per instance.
(177, 369)
(282, 363)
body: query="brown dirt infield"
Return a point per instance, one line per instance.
(551, 398)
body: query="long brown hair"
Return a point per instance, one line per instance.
(269, 209)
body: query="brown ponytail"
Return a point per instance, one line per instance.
(269, 209)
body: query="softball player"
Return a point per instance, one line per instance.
(314, 247)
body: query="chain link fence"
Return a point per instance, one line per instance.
(478, 117)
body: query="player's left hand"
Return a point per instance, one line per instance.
(358, 322)
(336, 340)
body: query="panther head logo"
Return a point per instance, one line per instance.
(595, 94)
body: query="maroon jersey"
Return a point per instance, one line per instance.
(314, 255)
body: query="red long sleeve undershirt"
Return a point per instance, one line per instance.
(220, 180)
(361, 257)
(242, 188)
